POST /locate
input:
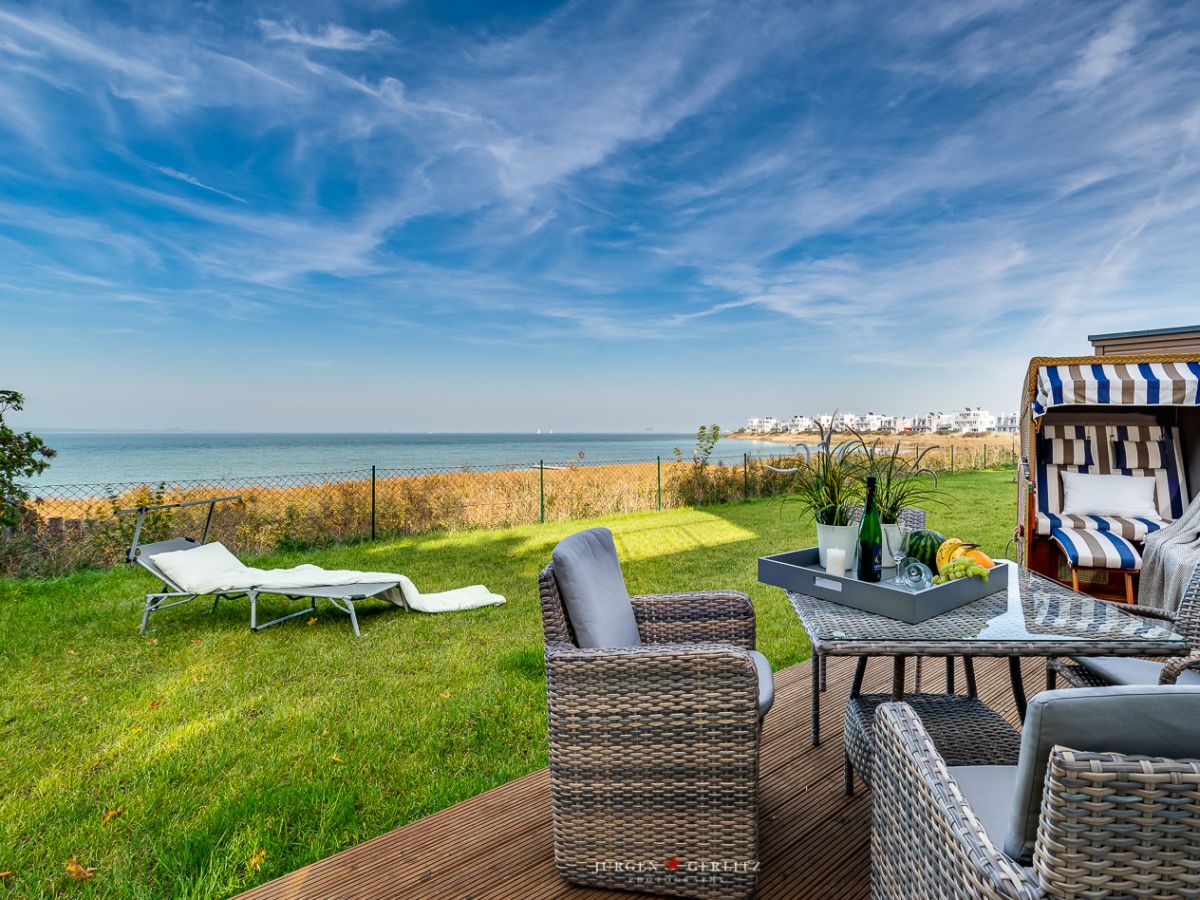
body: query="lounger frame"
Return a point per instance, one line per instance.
(341, 597)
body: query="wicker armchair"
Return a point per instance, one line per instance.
(654, 749)
(1101, 671)
(1107, 824)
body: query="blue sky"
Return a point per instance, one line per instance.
(453, 216)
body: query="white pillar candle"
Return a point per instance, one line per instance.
(835, 561)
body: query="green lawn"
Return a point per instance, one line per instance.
(216, 743)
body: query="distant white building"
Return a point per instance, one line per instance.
(974, 421)
(800, 425)
(763, 425)
(934, 421)
(971, 420)
(897, 424)
(1006, 423)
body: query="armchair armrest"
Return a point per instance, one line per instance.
(696, 617)
(926, 839)
(698, 685)
(1173, 668)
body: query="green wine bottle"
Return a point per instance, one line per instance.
(870, 539)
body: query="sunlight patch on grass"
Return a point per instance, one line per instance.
(695, 531)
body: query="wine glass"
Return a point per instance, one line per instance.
(914, 574)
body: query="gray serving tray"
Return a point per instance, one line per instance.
(800, 571)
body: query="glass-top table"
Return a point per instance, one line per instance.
(1033, 617)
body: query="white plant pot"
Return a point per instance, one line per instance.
(844, 537)
(891, 545)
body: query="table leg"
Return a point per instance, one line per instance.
(824, 667)
(898, 678)
(969, 671)
(1018, 685)
(949, 674)
(860, 669)
(816, 702)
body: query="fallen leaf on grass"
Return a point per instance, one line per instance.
(78, 872)
(258, 859)
(7, 873)
(445, 695)
(110, 814)
(152, 641)
(71, 652)
(312, 620)
(336, 758)
(154, 704)
(197, 642)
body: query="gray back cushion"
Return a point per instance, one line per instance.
(593, 590)
(1140, 719)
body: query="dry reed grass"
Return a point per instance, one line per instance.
(65, 533)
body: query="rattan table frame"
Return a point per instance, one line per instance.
(837, 630)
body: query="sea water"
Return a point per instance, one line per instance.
(142, 457)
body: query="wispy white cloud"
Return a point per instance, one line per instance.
(193, 180)
(1105, 54)
(327, 37)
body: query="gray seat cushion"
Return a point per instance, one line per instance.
(593, 590)
(1145, 720)
(989, 792)
(1130, 670)
(766, 683)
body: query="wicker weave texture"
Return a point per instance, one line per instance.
(965, 730)
(654, 749)
(926, 841)
(1114, 826)
(1111, 826)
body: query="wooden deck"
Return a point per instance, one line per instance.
(815, 840)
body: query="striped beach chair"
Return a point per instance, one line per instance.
(1107, 542)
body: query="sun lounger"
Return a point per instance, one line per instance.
(341, 596)
(189, 569)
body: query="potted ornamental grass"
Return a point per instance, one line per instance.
(900, 481)
(828, 487)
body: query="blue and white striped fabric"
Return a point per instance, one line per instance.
(1129, 529)
(1101, 459)
(1170, 494)
(1141, 384)
(1087, 549)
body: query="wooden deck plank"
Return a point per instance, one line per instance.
(815, 840)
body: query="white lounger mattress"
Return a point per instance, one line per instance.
(212, 569)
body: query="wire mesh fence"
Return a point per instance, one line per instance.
(69, 527)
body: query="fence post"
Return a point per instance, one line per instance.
(372, 503)
(542, 490)
(745, 476)
(985, 456)
(951, 457)
(658, 461)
